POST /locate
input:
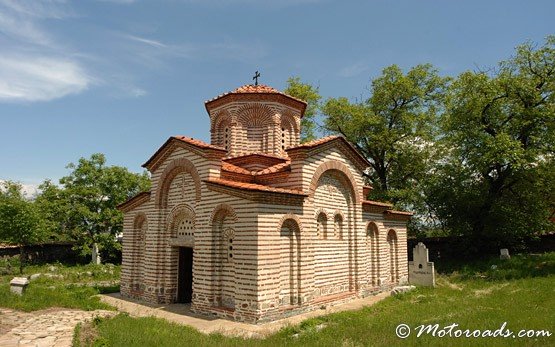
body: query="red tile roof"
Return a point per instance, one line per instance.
(254, 187)
(280, 167)
(258, 89)
(273, 169)
(252, 89)
(377, 203)
(197, 143)
(255, 157)
(189, 140)
(404, 213)
(261, 88)
(317, 142)
(234, 168)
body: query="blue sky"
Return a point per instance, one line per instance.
(119, 77)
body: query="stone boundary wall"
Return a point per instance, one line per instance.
(43, 253)
(454, 248)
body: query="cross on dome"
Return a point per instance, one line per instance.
(255, 78)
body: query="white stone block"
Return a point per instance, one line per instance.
(18, 285)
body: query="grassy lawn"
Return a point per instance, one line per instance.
(480, 295)
(59, 286)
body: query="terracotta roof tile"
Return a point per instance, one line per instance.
(254, 187)
(252, 157)
(189, 140)
(234, 168)
(316, 142)
(261, 88)
(275, 168)
(252, 89)
(197, 143)
(324, 140)
(404, 213)
(376, 203)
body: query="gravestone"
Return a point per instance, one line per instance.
(504, 254)
(96, 254)
(18, 285)
(421, 270)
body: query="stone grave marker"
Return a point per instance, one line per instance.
(18, 285)
(421, 270)
(504, 254)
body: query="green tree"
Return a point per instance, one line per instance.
(92, 191)
(498, 179)
(311, 96)
(20, 223)
(54, 208)
(394, 129)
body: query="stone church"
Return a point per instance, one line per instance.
(256, 226)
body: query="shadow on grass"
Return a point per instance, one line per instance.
(495, 269)
(107, 289)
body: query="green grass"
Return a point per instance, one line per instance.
(520, 292)
(68, 286)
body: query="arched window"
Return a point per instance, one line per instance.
(393, 256)
(322, 226)
(290, 263)
(283, 138)
(227, 245)
(139, 247)
(226, 139)
(183, 223)
(223, 222)
(373, 247)
(338, 226)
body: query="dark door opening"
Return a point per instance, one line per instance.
(185, 277)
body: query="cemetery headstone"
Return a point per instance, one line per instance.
(504, 254)
(421, 270)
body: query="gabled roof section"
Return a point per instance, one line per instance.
(375, 206)
(255, 90)
(398, 215)
(200, 147)
(252, 176)
(377, 203)
(134, 202)
(197, 143)
(324, 142)
(261, 158)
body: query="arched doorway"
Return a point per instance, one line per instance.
(182, 239)
(185, 275)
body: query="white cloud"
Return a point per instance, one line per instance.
(30, 190)
(33, 66)
(150, 42)
(353, 70)
(37, 78)
(20, 19)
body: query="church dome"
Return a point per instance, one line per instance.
(255, 119)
